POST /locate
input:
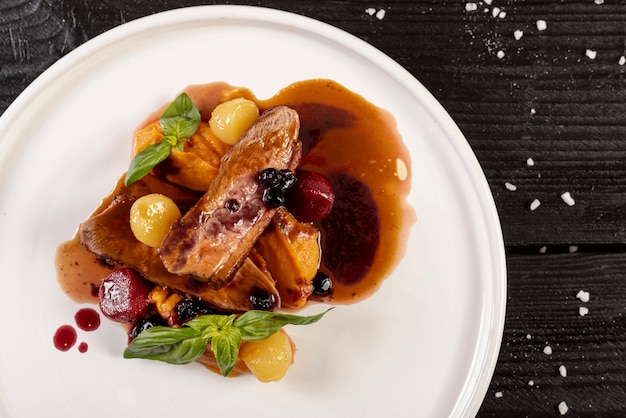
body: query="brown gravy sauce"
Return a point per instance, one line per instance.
(351, 141)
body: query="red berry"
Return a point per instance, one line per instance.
(123, 296)
(311, 198)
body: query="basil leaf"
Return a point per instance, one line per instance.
(146, 160)
(171, 345)
(225, 346)
(210, 325)
(181, 118)
(258, 325)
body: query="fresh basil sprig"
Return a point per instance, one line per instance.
(180, 120)
(225, 333)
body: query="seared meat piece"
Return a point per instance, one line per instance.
(108, 236)
(211, 241)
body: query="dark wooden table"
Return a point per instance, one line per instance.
(538, 88)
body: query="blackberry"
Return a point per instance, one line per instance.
(275, 185)
(262, 300)
(190, 308)
(322, 283)
(145, 323)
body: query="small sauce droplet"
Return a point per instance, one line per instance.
(65, 337)
(83, 347)
(87, 319)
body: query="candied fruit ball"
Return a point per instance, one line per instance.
(312, 197)
(123, 296)
(229, 120)
(268, 359)
(151, 217)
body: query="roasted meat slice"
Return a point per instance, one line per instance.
(108, 236)
(213, 238)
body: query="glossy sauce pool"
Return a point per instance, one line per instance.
(357, 147)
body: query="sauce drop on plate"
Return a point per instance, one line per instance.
(65, 337)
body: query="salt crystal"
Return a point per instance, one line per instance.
(530, 162)
(535, 204)
(487, 2)
(531, 383)
(543, 250)
(562, 371)
(528, 336)
(591, 54)
(547, 350)
(498, 394)
(563, 408)
(470, 7)
(495, 11)
(370, 11)
(622, 60)
(541, 24)
(510, 186)
(573, 248)
(533, 111)
(502, 15)
(583, 310)
(500, 54)
(518, 34)
(598, 1)
(380, 15)
(583, 296)
(568, 199)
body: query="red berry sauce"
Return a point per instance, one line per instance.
(65, 337)
(87, 319)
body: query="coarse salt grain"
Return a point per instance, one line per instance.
(495, 11)
(543, 250)
(568, 199)
(470, 7)
(510, 186)
(563, 408)
(547, 350)
(598, 1)
(500, 54)
(533, 111)
(530, 162)
(487, 2)
(541, 24)
(502, 15)
(591, 54)
(370, 11)
(518, 34)
(528, 336)
(583, 296)
(380, 15)
(573, 248)
(622, 60)
(562, 371)
(583, 310)
(535, 204)
(499, 394)
(531, 383)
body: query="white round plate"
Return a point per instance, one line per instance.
(425, 345)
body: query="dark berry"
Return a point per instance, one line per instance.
(322, 284)
(273, 198)
(232, 205)
(312, 198)
(146, 323)
(262, 300)
(270, 178)
(123, 295)
(287, 178)
(190, 308)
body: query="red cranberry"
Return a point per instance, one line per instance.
(123, 296)
(312, 197)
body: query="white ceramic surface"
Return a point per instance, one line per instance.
(425, 345)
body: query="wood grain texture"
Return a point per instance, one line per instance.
(557, 96)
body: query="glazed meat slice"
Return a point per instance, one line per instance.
(213, 238)
(108, 236)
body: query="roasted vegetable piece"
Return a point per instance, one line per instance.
(292, 253)
(108, 236)
(213, 238)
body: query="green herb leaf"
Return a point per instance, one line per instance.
(259, 325)
(225, 346)
(181, 118)
(225, 333)
(171, 345)
(146, 160)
